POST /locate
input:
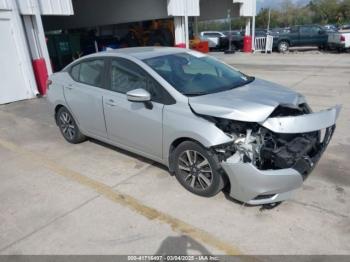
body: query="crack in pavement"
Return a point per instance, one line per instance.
(319, 208)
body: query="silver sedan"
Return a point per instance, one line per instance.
(211, 125)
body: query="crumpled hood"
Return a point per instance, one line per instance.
(250, 103)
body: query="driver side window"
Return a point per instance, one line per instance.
(125, 76)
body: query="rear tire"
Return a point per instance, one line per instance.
(197, 169)
(68, 127)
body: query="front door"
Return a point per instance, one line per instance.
(132, 124)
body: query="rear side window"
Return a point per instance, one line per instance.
(307, 30)
(89, 72)
(212, 35)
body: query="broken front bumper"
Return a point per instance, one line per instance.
(304, 123)
(254, 186)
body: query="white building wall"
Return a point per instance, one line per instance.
(16, 75)
(5, 5)
(47, 7)
(18, 49)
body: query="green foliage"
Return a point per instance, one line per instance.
(316, 12)
(289, 14)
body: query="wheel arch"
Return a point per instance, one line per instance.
(57, 108)
(218, 167)
(284, 40)
(172, 148)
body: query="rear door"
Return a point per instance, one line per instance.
(83, 93)
(132, 124)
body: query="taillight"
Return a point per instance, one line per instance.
(342, 38)
(48, 83)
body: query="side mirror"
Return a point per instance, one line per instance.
(141, 96)
(138, 95)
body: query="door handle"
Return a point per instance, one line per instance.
(70, 86)
(111, 102)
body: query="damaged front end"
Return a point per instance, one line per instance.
(267, 161)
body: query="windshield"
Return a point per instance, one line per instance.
(194, 75)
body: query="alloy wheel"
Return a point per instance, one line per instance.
(195, 169)
(283, 47)
(67, 125)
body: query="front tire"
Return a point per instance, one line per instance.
(197, 169)
(283, 47)
(68, 127)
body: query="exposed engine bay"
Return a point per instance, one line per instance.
(255, 144)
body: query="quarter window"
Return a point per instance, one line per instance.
(75, 72)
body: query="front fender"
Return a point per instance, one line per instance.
(180, 122)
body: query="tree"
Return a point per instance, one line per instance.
(263, 17)
(289, 14)
(344, 11)
(326, 11)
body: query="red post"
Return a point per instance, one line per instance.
(41, 75)
(247, 44)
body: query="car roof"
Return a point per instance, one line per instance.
(141, 52)
(206, 32)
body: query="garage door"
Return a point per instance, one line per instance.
(13, 84)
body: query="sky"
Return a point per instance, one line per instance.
(276, 3)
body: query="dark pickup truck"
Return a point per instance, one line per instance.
(306, 35)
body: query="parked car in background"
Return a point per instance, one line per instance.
(330, 28)
(279, 30)
(210, 124)
(261, 32)
(345, 27)
(216, 39)
(236, 37)
(339, 40)
(305, 35)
